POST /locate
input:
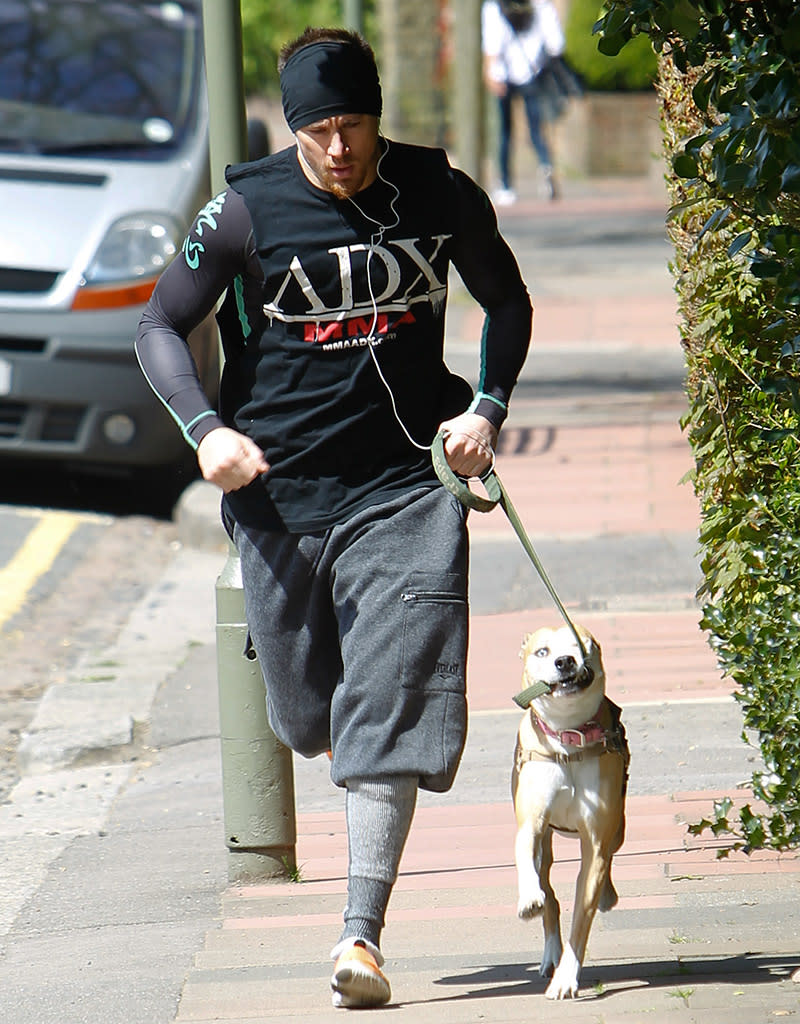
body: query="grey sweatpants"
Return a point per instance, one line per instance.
(361, 634)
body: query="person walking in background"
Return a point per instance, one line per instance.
(334, 256)
(519, 38)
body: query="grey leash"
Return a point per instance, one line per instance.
(497, 495)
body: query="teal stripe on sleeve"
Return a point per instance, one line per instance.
(238, 291)
(185, 430)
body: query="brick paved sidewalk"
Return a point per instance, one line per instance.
(690, 933)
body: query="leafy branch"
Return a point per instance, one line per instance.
(729, 87)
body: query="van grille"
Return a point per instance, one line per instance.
(61, 424)
(26, 282)
(58, 424)
(11, 416)
(50, 177)
(35, 345)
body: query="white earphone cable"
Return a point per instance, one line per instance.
(375, 240)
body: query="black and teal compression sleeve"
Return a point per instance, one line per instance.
(490, 272)
(218, 249)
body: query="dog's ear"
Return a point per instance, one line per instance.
(525, 644)
(589, 642)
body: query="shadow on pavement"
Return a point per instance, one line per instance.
(599, 982)
(114, 492)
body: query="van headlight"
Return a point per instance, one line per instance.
(128, 262)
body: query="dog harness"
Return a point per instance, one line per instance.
(592, 739)
(589, 732)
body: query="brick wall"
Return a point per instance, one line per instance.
(610, 134)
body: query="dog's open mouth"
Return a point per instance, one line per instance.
(574, 678)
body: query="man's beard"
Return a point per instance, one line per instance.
(339, 190)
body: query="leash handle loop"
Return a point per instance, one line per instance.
(458, 486)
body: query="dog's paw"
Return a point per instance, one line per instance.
(530, 906)
(557, 990)
(565, 980)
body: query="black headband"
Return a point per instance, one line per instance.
(326, 79)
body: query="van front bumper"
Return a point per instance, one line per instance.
(71, 390)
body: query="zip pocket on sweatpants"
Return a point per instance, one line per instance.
(434, 596)
(434, 633)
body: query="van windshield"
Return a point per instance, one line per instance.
(82, 76)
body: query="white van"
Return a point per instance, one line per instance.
(103, 163)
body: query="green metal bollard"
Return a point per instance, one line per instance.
(257, 770)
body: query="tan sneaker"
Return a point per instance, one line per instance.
(357, 979)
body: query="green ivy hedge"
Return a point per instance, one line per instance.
(730, 93)
(633, 70)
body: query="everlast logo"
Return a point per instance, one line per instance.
(400, 274)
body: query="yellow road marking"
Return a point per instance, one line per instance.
(36, 555)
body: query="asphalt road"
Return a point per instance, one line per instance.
(68, 580)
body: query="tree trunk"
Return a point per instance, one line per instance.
(412, 71)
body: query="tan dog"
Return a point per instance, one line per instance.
(570, 773)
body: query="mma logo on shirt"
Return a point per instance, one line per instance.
(355, 332)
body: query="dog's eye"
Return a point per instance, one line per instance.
(542, 652)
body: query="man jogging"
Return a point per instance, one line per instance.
(333, 255)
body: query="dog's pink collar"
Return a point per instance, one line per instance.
(583, 736)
